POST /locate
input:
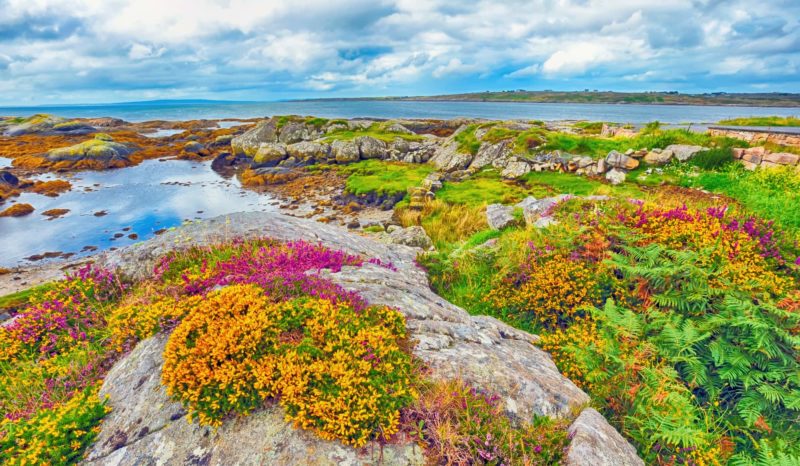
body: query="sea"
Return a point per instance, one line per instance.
(214, 110)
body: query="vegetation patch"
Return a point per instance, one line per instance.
(681, 323)
(762, 121)
(466, 140)
(457, 424)
(380, 131)
(650, 137)
(382, 178)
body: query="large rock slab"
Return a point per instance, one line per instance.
(481, 350)
(596, 443)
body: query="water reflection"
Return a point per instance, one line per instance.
(145, 198)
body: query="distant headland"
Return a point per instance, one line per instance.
(771, 99)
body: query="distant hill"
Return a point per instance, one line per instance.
(607, 97)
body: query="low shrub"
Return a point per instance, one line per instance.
(57, 435)
(458, 425)
(340, 373)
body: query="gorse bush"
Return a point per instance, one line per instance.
(340, 373)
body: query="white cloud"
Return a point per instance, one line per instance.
(104, 49)
(528, 71)
(142, 51)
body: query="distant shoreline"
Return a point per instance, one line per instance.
(785, 100)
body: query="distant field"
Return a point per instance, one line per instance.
(762, 121)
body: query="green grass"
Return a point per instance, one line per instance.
(771, 194)
(21, 298)
(466, 140)
(650, 139)
(389, 178)
(487, 187)
(762, 121)
(589, 127)
(376, 130)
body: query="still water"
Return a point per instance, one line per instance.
(627, 113)
(136, 200)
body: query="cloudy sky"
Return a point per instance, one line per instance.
(70, 51)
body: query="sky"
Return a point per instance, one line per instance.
(90, 51)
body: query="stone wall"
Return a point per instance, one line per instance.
(759, 137)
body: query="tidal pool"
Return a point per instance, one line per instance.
(137, 200)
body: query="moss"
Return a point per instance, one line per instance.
(103, 137)
(383, 178)
(374, 229)
(466, 140)
(376, 130)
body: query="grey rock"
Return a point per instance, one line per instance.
(684, 152)
(544, 222)
(621, 161)
(596, 443)
(400, 146)
(309, 151)
(372, 148)
(248, 143)
(499, 216)
(413, 236)
(359, 124)
(293, 132)
(345, 151)
(488, 153)
(515, 169)
(396, 127)
(269, 154)
(616, 176)
(533, 209)
(658, 158)
(447, 157)
(193, 147)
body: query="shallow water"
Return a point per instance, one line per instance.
(623, 113)
(163, 133)
(144, 198)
